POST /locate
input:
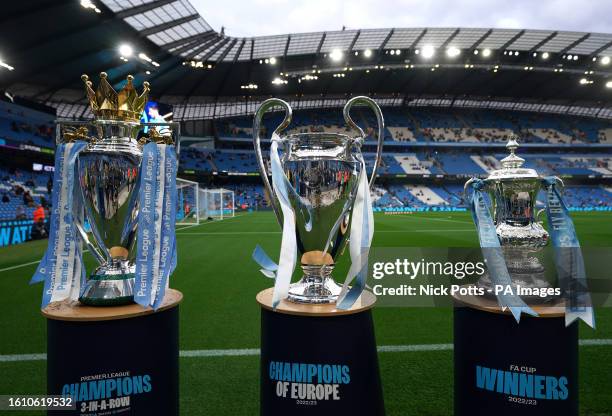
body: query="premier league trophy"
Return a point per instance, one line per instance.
(318, 183)
(116, 194)
(107, 172)
(513, 191)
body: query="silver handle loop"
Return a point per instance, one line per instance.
(381, 127)
(560, 181)
(539, 214)
(261, 110)
(466, 188)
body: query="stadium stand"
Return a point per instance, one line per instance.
(22, 125)
(17, 187)
(439, 140)
(438, 125)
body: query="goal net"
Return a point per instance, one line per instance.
(216, 203)
(187, 210)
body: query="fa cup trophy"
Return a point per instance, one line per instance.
(114, 191)
(319, 182)
(513, 191)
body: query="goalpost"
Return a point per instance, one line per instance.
(216, 203)
(187, 209)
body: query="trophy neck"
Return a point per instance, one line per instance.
(117, 129)
(311, 146)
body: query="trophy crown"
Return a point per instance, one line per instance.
(512, 161)
(108, 104)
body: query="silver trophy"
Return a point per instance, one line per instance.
(513, 191)
(107, 172)
(323, 170)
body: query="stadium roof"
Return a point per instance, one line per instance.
(174, 25)
(187, 61)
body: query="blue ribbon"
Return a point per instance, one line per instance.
(268, 266)
(363, 224)
(62, 268)
(156, 244)
(492, 252)
(146, 225)
(568, 257)
(167, 260)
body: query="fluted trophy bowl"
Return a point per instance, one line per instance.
(323, 170)
(107, 171)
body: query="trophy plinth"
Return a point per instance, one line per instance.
(292, 334)
(84, 339)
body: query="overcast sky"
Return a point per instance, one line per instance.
(272, 17)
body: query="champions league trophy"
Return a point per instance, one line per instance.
(513, 191)
(106, 197)
(318, 181)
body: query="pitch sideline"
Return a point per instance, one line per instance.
(247, 352)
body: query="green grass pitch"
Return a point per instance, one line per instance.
(220, 281)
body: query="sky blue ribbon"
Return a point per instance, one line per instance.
(168, 218)
(63, 197)
(145, 244)
(361, 223)
(493, 254)
(568, 257)
(268, 266)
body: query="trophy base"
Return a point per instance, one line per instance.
(110, 286)
(314, 290)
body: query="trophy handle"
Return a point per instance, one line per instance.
(540, 211)
(560, 181)
(261, 110)
(381, 127)
(466, 188)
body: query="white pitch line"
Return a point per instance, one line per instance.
(6, 269)
(231, 233)
(18, 266)
(247, 352)
(209, 222)
(441, 219)
(437, 230)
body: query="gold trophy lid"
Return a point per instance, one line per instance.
(108, 104)
(512, 165)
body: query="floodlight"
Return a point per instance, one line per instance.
(125, 50)
(336, 55)
(453, 52)
(428, 51)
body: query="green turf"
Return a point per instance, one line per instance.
(220, 281)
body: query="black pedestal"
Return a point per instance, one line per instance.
(124, 364)
(505, 368)
(319, 364)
